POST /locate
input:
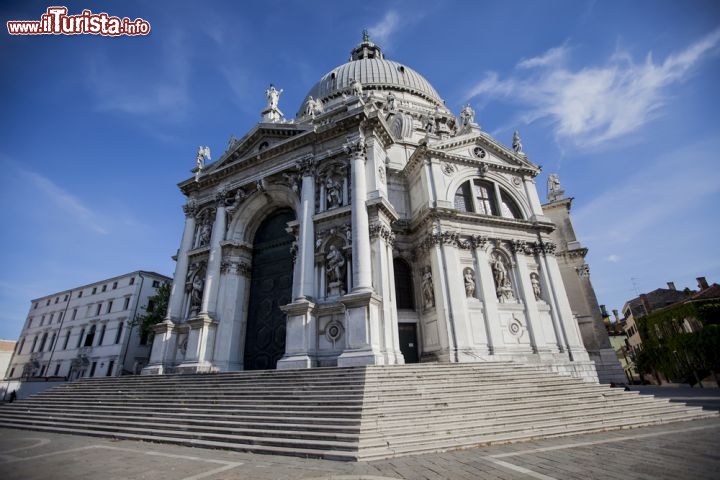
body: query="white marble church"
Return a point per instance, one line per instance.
(376, 228)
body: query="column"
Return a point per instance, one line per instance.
(486, 282)
(212, 277)
(306, 249)
(362, 280)
(177, 293)
(568, 325)
(532, 315)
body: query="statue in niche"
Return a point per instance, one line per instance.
(430, 124)
(467, 116)
(535, 282)
(516, 143)
(335, 270)
(204, 235)
(333, 192)
(427, 288)
(469, 278)
(503, 285)
(195, 288)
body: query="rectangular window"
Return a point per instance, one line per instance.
(104, 288)
(74, 314)
(52, 315)
(80, 338)
(47, 303)
(57, 369)
(132, 281)
(29, 322)
(65, 299)
(60, 315)
(42, 320)
(109, 308)
(35, 306)
(12, 372)
(126, 304)
(57, 299)
(97, 310)
(92, 369)
(80, 294)
(114, 285)
(118, 336)
(102, 335)
(94, 290)
(156, 284)
(110, 368)
(67, 339)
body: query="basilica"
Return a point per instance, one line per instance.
(376, 228)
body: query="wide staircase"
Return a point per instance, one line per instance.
(358, 413)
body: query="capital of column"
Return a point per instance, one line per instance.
(190, 208)
(307, 165)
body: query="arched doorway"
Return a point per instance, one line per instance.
(407, 318)
(270, 287)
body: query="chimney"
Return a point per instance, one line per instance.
(603, 311)
(616, 315)
(671, 285)
(702, 283)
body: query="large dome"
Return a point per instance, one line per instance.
(368, 66)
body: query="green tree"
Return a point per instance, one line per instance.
(156, 309)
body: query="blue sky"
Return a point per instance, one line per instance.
(620, 98)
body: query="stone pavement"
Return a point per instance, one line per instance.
(683, 450)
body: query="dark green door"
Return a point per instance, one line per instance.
(270, 287)
(408, 342)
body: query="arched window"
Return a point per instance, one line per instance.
(508, 207)
(403, 285)
(481, 196)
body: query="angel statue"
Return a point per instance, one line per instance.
(203, 154)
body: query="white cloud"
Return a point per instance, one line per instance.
(593, 105)
(613, 258)
(380, 32)
(67, 202)
(554, 56)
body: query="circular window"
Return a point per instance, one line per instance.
(479, 152)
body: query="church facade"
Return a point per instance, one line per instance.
(376, 228)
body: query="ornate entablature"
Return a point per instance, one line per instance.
(466, 242)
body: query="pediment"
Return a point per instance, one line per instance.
(263, 137)
(480, 147)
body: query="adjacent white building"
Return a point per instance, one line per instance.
(377, 227)
(87, 331)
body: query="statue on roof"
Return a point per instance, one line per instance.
(203, 154)
(516, 143)
(272, 113)
(467, 116)
(273, 96)
(555, 191)
(366, 35)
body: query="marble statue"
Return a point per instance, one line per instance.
(469, 282)
(273, 97)
(535, 281)
(334, 265)
(427, 288)
(516, 143)
(467, 116)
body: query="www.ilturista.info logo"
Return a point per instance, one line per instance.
(57, 22)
